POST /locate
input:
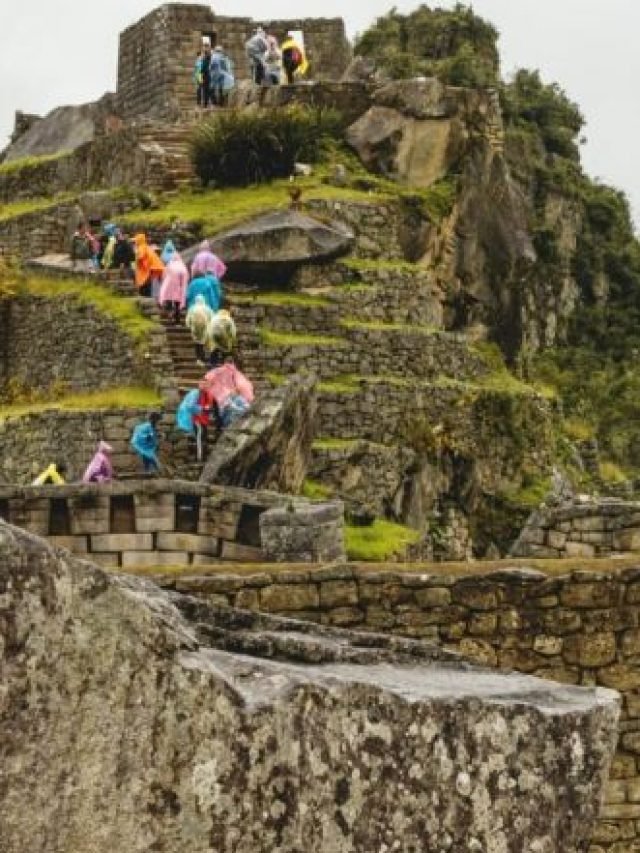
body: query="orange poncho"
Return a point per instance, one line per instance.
(148, 264)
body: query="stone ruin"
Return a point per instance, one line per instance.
(131, 719)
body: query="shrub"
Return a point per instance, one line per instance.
(241, 148)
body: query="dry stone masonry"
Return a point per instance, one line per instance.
(181, 726)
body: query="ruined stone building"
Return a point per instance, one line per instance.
(158, 52)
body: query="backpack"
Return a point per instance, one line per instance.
(292, 57)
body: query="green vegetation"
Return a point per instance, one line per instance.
(32, 205)
(339, 385)
(455, 45)
(434, 203)
(27, 163)
(276, 298)
(334, 443)
(111, 398)
(378, 326)
(292, 339)
(250, 147)
(364, 264)
(217, 210)
(531, 494)
(378, 541)
(315, 491)
(121, 309)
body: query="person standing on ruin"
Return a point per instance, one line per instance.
(256, 50)
(100, 469)
(173, 291)
(82, 249)
(294, 61)
(222, 79)
(149, 267)
(145, 443)
(202, 74)
(273, 62)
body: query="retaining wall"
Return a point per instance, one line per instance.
(581, 627)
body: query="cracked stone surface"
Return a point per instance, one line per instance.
(136, 720)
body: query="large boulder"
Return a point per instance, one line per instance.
(270, 448)
(135, 720)
(270, 248)
(63, 129)
(414, 151)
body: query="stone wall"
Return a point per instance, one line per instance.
(174, 523)
(581, 627)
(157, 54)
(593, 527)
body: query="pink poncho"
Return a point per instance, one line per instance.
(227, 380)
(205, 261)
(100, 469)
(175, 282)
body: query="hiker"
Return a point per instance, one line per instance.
(108, 245)
(144, 442)
(198, 321)
(149, 267)
(173, 291)
(124, 254)
(82, 249)
(256, 50)
(202, 74)
(272, 62)
(221, 337)
(168, 251)
(202, 419)
(222, 79)
(293, 58)
(231, 391)
(100, 469)
(53, 475)
(187, 410)
(208, 286)
(206, 261)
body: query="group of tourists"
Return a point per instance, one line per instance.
(195, 295)
(112, 249)
(269, 64)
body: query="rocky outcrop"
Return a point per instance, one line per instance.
(270, 248)
(132, 720)
(63, 129)
(269, 448)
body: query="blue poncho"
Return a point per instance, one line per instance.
(186, 411)
(207, 286)
(145, 441)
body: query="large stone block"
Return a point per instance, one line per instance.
(122, 542)
(148, 706)
(190, 542)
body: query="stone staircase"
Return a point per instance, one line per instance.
(166, 147)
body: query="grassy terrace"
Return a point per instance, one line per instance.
(292, 339)
(552, 568)
(111, 398)
(26, 163)
(121, 309)
(279, 298)
(216, 210)
(32, 205)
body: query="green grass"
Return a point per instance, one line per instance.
(379, 541)
(611, 473)
(315, 491)
(276, 298)
(32, 205)
(121, 309)
(377, 326)
(30, 162)
(292, 339)
(532, 494)
(334, 443)
(365, 264)
(340, 385)
(217, 210)
(128, 396)
(578, 429)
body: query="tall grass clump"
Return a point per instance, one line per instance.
(242, 148)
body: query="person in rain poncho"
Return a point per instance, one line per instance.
(294, 60)
(100, 469)
(149, 267)
(222, 79)
(144, 442)
(231, 391)
(202, 74)
(207, 262)
(198, 322)
(53, 475)
(168, 251)
(256, 50)
(187, 410)
(108, 245)
(221, 338)
(173, 291)
(207, 286)
(273, 62)
(202, 419)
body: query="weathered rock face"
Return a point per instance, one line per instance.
(270, 448)
(270, 248)
(130, 720)
(63, 129)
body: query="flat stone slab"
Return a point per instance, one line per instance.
(271, 247)
(132, 719)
